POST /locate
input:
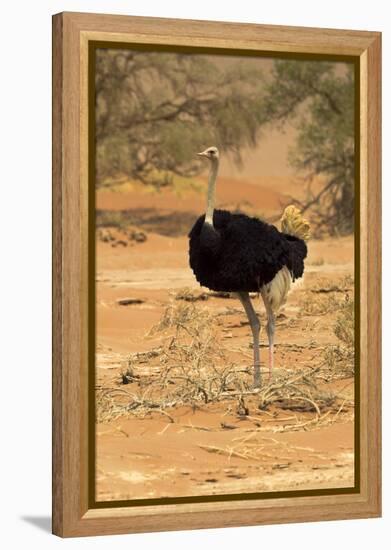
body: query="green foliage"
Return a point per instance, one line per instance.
(318, 97)
(154, 111)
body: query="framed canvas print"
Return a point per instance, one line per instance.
(216, 230)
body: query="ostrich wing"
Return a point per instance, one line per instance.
(210, 241)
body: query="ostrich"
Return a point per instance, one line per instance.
(236, 253)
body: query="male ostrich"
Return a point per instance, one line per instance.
(235, 253)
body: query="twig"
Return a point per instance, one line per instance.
(222, 451)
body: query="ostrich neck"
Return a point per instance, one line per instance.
(211, 192)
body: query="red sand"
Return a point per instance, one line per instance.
(152, 457)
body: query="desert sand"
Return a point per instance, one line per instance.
(230, 444)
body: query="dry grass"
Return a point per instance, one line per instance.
(335, 298)
(253, 445)
(317, 261)
(298, 392)
(190, 295)
(191, 368)
(323, 285)
(326, 296)
(339, 359)
(344, 325)
(319, 304)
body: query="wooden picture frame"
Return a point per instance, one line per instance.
(73, 514)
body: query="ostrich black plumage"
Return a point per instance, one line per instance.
(236, 253)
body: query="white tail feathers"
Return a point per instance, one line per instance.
(293, 223)
(275, 293)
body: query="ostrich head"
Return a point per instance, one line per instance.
(211, 153)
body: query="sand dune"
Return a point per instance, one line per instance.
(253, 192)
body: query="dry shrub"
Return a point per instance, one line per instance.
(339, 359)
(190, 295)
(324, 285)
(344, 325)
(110, 219)
(190, 367)
(110, 404)
(319, 304)
(298, 392)
(187, 317)
(326, 295)
(194, 366)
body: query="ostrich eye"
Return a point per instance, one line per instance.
(212, 152)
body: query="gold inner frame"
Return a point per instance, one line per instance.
(89, 198)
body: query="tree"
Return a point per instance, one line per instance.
(318, 97)
(155, 110)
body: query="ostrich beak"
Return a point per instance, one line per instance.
(203, 154)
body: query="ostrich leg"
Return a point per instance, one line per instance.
(270, 329)
(255, 328)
